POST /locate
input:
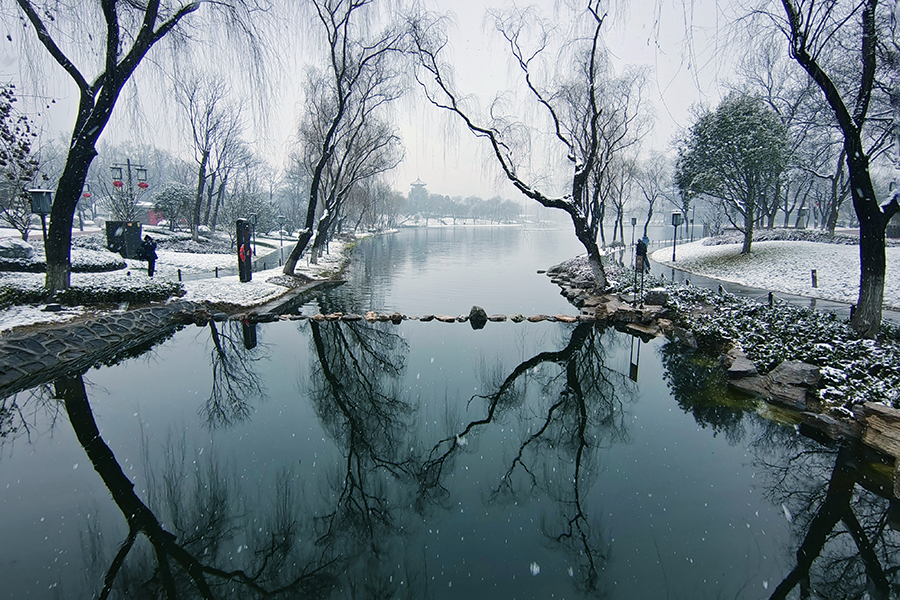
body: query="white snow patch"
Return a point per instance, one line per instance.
(786, 267)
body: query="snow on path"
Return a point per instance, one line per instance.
(786, 267)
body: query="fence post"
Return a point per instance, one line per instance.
(179, 274)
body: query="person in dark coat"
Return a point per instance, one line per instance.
(148, 250)
(641, 251)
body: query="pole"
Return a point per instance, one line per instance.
(130, 186)
(674, 243)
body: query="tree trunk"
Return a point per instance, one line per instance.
(748, 227)
(593, 253)
(220, 193)
(58, 247)
(209, 197)
(831, 223)
(873, 221)
(867, 314)
(297, 251)
(198, 201)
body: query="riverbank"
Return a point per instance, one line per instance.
(201, 285)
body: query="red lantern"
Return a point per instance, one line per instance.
(143, 185)
(118, 183)
(86, 194)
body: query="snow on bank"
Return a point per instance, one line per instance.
(221, 290)
(16, 316)
(230, 290)
(786, 267)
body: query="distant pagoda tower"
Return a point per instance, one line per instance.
(417, 189)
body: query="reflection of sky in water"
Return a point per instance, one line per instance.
(666, 506)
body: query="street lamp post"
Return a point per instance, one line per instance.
(633, 223)
(676, 221)
(129, 172)
(280, 229)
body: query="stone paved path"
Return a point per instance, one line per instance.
(33, 358)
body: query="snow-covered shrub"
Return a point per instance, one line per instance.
(85, 259)
(138, 289)
(97, 290)
(90, 242)
(15, 248)
(853, 370)
(789, 235)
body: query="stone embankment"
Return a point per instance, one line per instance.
(36, 357)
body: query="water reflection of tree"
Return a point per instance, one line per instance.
(580, 412)
(356, 394)
(841, 512)
(18, 412)
(272, 567)
(234, 381)
(698, 384)
(839, 507)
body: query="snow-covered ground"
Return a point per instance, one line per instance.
(219, 290)
(786, 267)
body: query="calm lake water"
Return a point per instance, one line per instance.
(428, 460)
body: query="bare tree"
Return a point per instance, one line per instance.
(577, 103)
(811, 26)
(362, 73)
(620, 191)
(364, 146)
(249, 192)
(653, 180)
(216, 125)
(121, 33)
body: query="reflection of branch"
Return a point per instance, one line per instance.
(141, 520)
(354, 363)
(585, 411)
(835, 508)
(14, 421)
(234, 380)
(432, 471)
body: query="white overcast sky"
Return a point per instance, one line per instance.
(482, 68)
(685, 70)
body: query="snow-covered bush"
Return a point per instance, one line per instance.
(853, 370)
(789, 235)
(15, 248)
(98, 290)
(87, 257)
(137, 289)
